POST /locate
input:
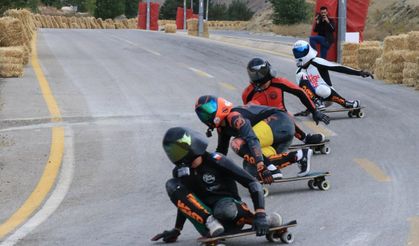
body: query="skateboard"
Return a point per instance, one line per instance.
(319, 147)
(352, 112)
(276, 235)
(315, 180)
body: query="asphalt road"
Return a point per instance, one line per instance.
(119, 90)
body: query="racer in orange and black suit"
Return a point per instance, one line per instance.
(259, 132)
(267, 89)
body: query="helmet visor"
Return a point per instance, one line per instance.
(207, 111)
(176, 151)
(258, 72)
(300, 51)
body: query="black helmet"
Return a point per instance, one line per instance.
(259, 71)
(182, 145)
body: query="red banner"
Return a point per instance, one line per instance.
(356, 16)
(142, 16)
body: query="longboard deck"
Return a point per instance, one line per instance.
(299, 146)
(245, 232)
(308, 176)
(334, 110)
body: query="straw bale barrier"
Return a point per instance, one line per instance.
(192, 25)
(409, 73)
(393, 43)
(379, 68)
(170, 28)
(100, 23)
(350, 55)
(413, 41)
(370, 44)
(11, 61)
(12, 32)
(110, 24)
(367, 55)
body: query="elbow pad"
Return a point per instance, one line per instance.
(256, 193)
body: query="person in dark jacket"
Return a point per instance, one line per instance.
(204, 189)
(324, 27)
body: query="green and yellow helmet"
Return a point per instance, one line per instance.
(183, 145)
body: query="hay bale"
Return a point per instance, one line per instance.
(379, 68)
(100, 23)
(394, 43)
(350, 61)
(110, 24)
(394, 56)
(411, 56)
(192, 25)
(409, 73)
(170, 28)
(367, 55)
(125, 23)
(26, 53)
(413, 41)
(119, 25)
(12, 32)
(370, 44)
(11, 52)
(11, 70)
(350, 46)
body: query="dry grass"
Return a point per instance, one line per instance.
(298, 30)
(170, 28)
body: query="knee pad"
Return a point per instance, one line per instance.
(237, 146)
(172, 186)
(225, 209)
(323, 91)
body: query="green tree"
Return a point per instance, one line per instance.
(55, 3)
(109, 8)
(289, 11)
(217, 11)
(131, 8)
(168, 10)
(11, 4)
(238, 10)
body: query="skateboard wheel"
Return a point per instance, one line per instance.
(265, 192)
(360, 114)
(311, 184)
(325, 150)
(274, 237)
(287, 237)
(324, 185)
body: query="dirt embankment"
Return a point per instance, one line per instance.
(385, 17)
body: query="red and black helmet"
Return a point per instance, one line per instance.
(212, 110)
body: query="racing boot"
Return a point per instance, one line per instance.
(319, 104)
(314, 138)
(352, 104)
(214, 226)
(276, 173)
(304, 161)
(274, 219)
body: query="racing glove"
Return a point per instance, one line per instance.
(260, 224)
(264, 174)
(168, 236)
(365, 74)
(319, 116)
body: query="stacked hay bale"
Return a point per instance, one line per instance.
(350, 55)
(193, 28)
(395, 49)
(170, 28)
(13, 33)
(133, 23)
(368, 53)
(110, 24)
(192, 25)
(11, 61)
(410, 69)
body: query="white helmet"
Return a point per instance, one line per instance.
(303, 52)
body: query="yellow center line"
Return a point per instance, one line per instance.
(52, 167)
(414, 231)
(228, 86)
(319, 128)
(372, 169)
(201, 73)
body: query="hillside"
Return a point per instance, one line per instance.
(385, 17)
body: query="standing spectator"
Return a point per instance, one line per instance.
(324, 28)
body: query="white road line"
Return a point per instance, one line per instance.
(200, 73)
(136, 45)
(57, 196)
